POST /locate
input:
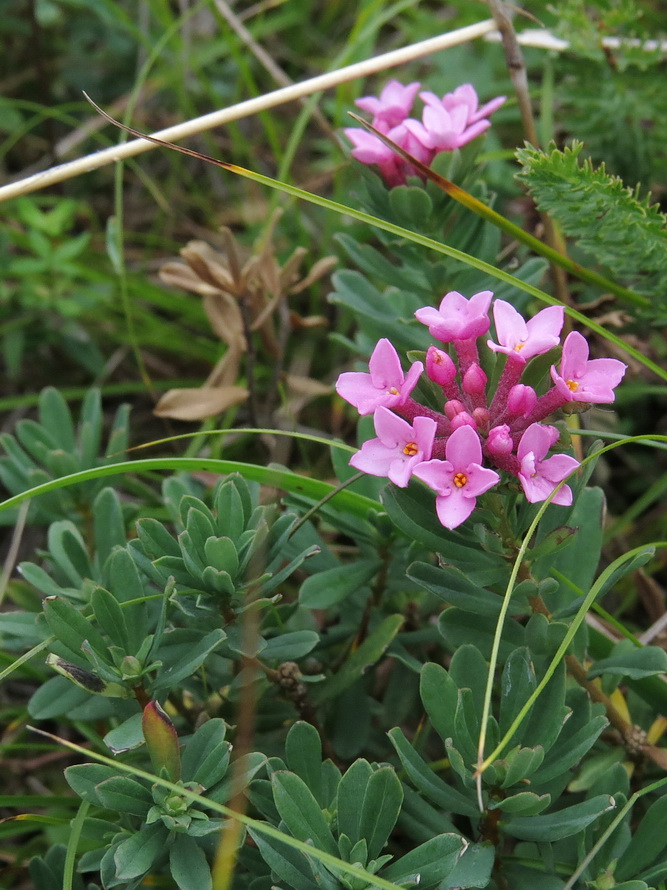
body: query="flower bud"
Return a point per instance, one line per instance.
(474, 381)
(453, 407)
(439, 366)
(521, 400)
(463, 419)
(499, 440)
(481, 417)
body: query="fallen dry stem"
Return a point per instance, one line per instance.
(244, 109)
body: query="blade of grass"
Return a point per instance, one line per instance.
(356, 504)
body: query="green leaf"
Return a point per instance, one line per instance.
(521, 763)
(300, 811)
(648, 842)
(134, 856)
(55, 416)
(110, 617)
(87, 680)
(474, 867)
(518, 682)
(608, 220)
(426, 781)
(198, 651)
(547, 716)
(206, 755)
(125, 737)
(580, 560)
(380, 808)
(69, 626)
(125, 795)
(411, 205)
(459, 627)
(290, 646)
(356, 665)
(55, 698)
(289, 864)
(83, 779)
(433, 861)
(350, 795)
(440, 696)
(569, 750)
(563, 823)
(303, 753)
(634, 663)
(524, 803)
(325, 589)
(453, 586)
(188, 865)
(109, 524)
(412, 510)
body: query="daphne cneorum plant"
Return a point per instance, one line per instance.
(357, 688)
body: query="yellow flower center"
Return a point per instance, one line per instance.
(393, 391)
(519, 347)
(411, 449)
(460, 480)
(572, 385)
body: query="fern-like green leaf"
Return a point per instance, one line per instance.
(607, 219)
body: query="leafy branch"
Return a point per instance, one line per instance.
(607, 219)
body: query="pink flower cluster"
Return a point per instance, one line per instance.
(448, 449)
(447, 123)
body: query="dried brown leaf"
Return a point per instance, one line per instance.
(198, 404)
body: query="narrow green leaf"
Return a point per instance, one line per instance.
(433, 861)
(440, 696)
(300, 811)
(633, 663)
(350, 796)
(326, 589)
(303, 754)
(426, 781)
(206, 755)
(380, 809)
(110, 618)
(648, 842)
(563, 823)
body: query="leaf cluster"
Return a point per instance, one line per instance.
(608, 220)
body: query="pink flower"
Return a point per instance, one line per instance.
(458, 318)
(581, 380)
(442, 130)
(398, 449)
(393, 106)
(539, 477)
(370, 150)
(464, 96)
(459, 479)
(386, 385)
(526, 339)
